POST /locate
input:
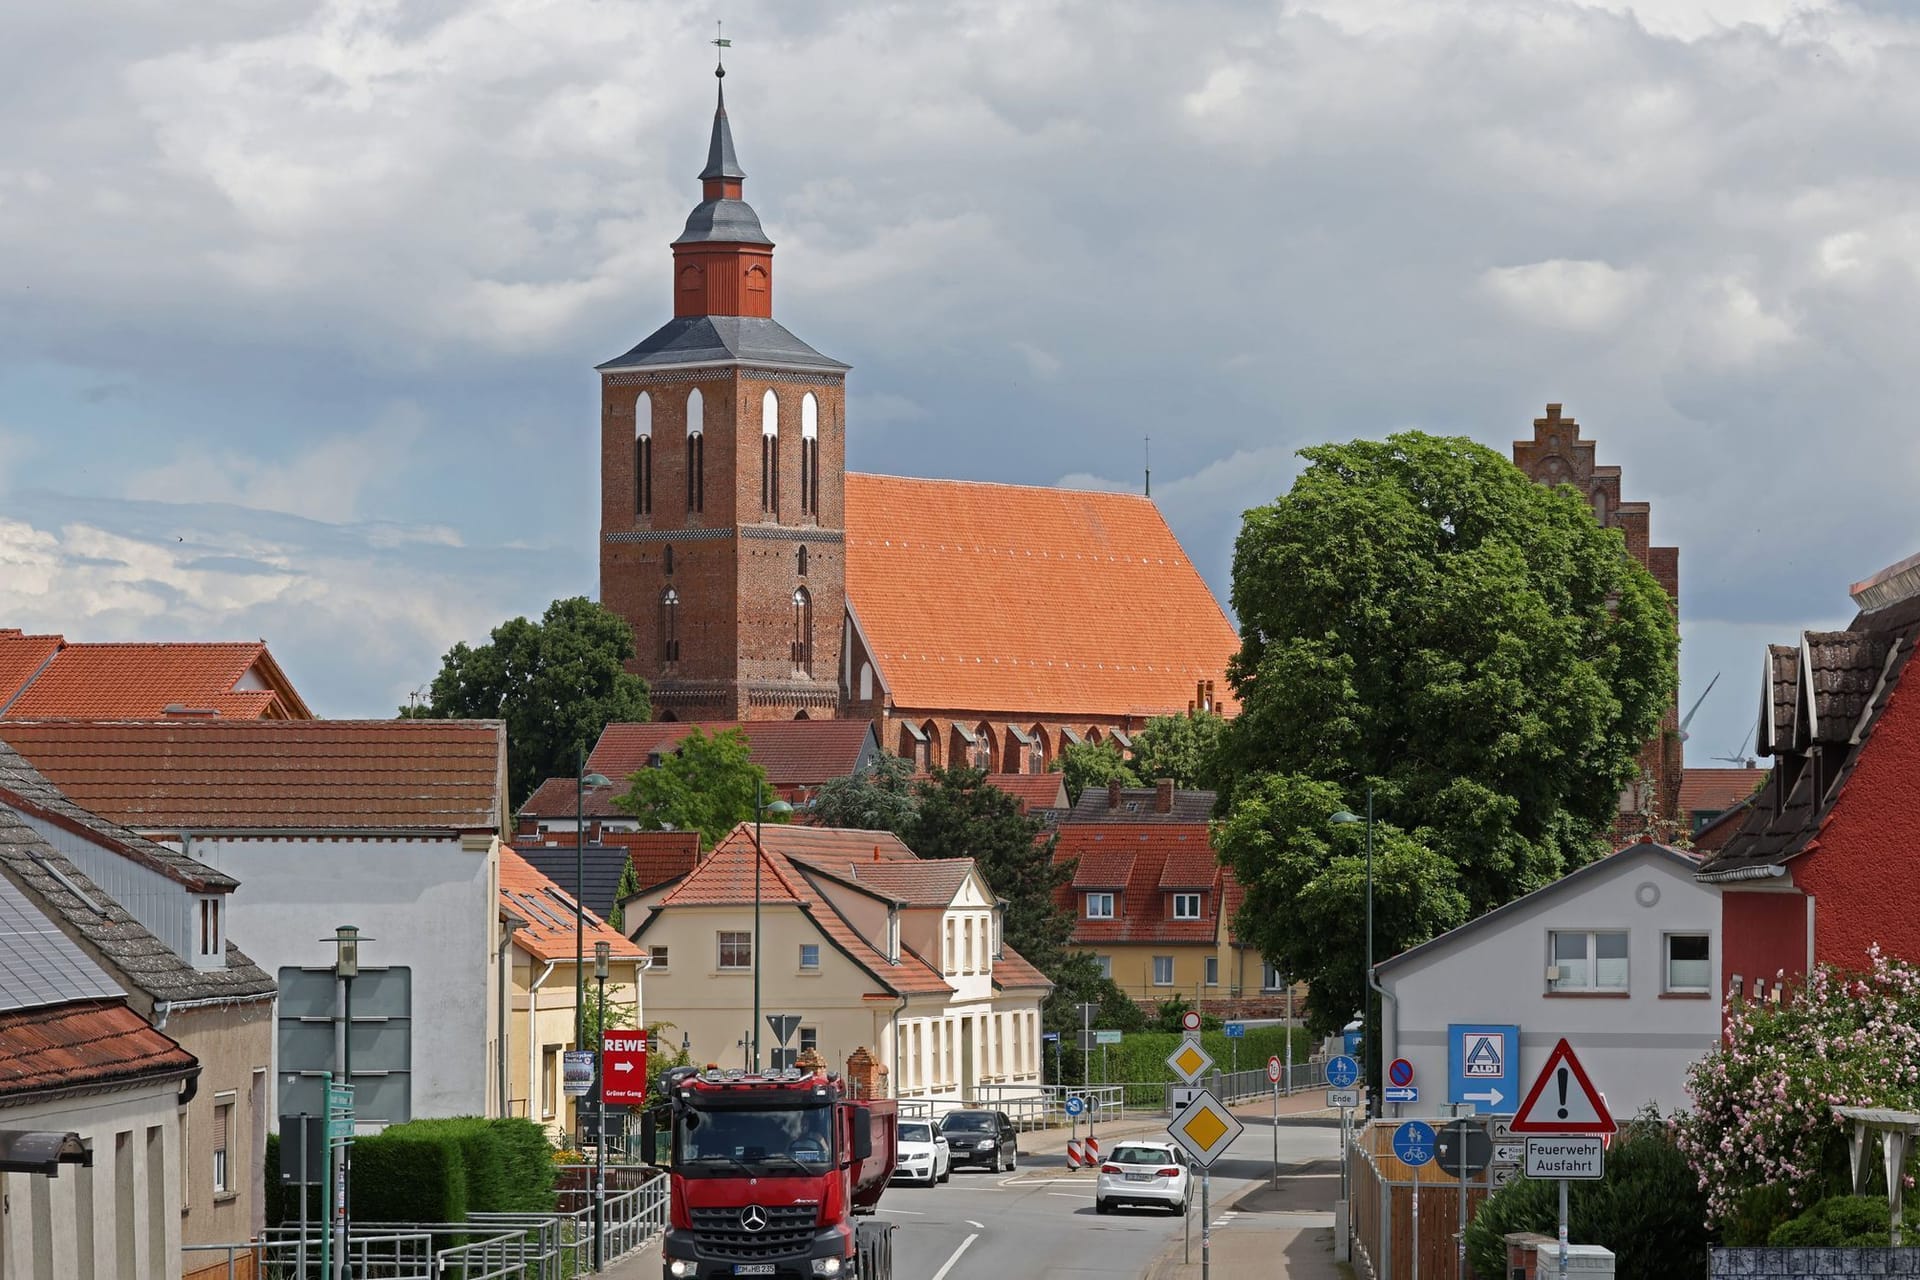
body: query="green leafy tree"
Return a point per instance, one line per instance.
(1076, 981)
(628, 886)
(611, 1014)
(1183, 747)
(705, 784)
(881, 797)
(1419, 617)
(1092, 764)
(556, 682)
(962, 815)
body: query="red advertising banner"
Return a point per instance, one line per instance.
(623, 1068)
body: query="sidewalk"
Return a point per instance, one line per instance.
(1290, 1225)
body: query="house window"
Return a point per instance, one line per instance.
(809, 1039)
(770, 454)
(966, 933)
(1037, 751)
(810, 455)
(1270, 978)
(659, 955)
(1689, 968)
(210, 926)
(222, 1137)
(643, 455)
(810, 956)
(803, 630)
(549, 1087)
(802, 559)
(1106, 965)
(1163, 971)
(1587, 960)
(1099, 906)
(669, 625)
(736, 949)
(696, 453)
(1213, 971)
(950, 952)
(981, 756)
(1186, 906)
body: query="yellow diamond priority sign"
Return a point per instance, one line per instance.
(1205, 1128)
(1190, 1061)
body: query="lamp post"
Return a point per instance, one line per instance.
(760, 808)
(1342, 818)
(601, 951)
(346, 967)
(581, 781)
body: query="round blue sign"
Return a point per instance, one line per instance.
(1400, 1072)
(1413, 1143)
(1342, 1072)
(1075, 1105)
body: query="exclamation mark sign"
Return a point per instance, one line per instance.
(1561, 1078)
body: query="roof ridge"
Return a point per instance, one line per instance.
(1005, 484)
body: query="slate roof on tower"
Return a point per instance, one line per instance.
(1075, 602)
(687, 341)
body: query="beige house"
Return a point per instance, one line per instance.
(541, 1026)
(156, 921)
(864, 943)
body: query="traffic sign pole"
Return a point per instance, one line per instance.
(1563, 1229)
(1460, 1193)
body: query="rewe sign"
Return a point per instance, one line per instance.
(623, 1068)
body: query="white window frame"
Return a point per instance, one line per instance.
(741, 938)
(1105, 965)
(220, 1158)
(1180, 899)
(1158, 962)
(806, 967)
(1592, 986)
(1107, 899)
(1666, 963)
(1271, 979)
(1212, 971)
(658, 955)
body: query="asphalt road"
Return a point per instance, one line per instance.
(1040, 1221)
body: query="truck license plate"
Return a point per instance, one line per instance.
(753, 1268)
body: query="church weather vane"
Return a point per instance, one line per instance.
(720, 44)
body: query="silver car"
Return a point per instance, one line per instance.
(1152, 1174)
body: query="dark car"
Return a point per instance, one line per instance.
(983, 1138)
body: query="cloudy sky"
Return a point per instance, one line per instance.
(299, 299)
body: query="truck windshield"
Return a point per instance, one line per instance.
(797, 1141)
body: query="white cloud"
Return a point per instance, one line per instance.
(1591, 297)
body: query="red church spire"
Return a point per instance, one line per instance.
(723, 261)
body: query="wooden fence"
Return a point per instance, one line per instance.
(1381, 1211)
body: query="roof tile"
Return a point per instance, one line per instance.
(94, 1042)
(795, 753)
(549, 914)
(1156, 858)
(99, 681)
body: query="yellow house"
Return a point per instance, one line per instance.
(863, 943)
(541, 921)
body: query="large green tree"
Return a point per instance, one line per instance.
(704, 784)
(1419, 618)
(556, 682)
(1092, 764)
(1184, 748)
(880, 797)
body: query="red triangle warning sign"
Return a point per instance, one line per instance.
(1562, 1099)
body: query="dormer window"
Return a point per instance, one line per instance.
(1099, 906)
(209, 939)
(1186, 906)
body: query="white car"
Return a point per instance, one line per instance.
(1153, 1174)
(922, 1154)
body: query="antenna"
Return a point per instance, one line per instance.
(1696, 706)
(1149, 466)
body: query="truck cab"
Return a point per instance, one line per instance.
(768, 1173)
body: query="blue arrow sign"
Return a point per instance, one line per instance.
(1401, 1093)
(1413, 1143)
(1342, 1072)
(1483, 1066)
(1075, 1105)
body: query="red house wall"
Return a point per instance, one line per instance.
(1762, 935)
(1862, 872)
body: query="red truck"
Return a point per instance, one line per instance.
(768, 1174)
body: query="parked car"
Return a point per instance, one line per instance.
(922, 1153)
(981, 1138)
(1153, 1174)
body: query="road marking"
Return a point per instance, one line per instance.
(941, 1274)
(977, 1226)
(1072, 1195)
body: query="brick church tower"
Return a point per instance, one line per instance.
(1557, 455)
(722, 469)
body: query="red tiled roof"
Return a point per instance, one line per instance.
(556, 798)
(657, 856)
(1192, 868)
(795, 753)
(205, 775)
(1033, 790)
(1043, 566)
(45, 676)
(549, 914)
(840, 844)
(1143, 909)
(1717, 789)
(1012, 971)
(930, 882)
(725, 878)
(89, 1042)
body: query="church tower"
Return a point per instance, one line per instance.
(722, 465)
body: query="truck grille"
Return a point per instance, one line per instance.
(719, 1233)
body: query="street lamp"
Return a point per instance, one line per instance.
(1342, 818)
(581, 781)
(760, 807)
(346, 967)
(602, 950)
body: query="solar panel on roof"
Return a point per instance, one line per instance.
(39, 965)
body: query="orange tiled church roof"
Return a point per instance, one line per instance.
(44, 677)
(1050, 601)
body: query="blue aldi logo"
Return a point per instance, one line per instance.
(1483, 1066)
(1486, 1056)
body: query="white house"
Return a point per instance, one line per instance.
(1621, 958)
(391, 826)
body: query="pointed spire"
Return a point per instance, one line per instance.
(721, 162)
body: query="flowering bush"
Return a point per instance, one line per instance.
(1763, 1099)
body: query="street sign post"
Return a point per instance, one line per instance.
(1563, 1102)
(1342, 1072)
(1206, 1129)
(1106, 1037)
(1076, 1104)
(1236, 1030)
(1273, 1078)
(1414, 1144)
(1190, 1023)
(1580, 1156)
(1483, 1064)
(1401, 1093)
(1190, 1061)
(1465, 1149)
(1400, 1073)
(1346, 1099)
(623, 1068)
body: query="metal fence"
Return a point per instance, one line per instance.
(1381, 1213)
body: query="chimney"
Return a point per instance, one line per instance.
(876, 853)
(1113, 793)
(1163, 795)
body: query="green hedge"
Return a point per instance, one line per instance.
(434, 1171)
(1141, 1056)
(1837, 1222)
(401, 1178)
(528, 1158)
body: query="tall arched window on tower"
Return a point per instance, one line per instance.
(696, 452)
(810, 455)
(669, 625)
(770, 454)
(802, 630)
(643, 455)
(803, 562)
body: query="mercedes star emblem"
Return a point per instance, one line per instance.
(753, 1218)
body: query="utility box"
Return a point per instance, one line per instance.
(1520, 1256)
(1589, 1261)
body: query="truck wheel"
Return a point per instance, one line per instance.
(873, 1249)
